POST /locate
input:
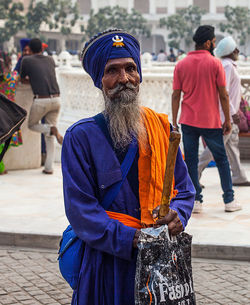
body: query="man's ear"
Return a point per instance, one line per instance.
(207, 45)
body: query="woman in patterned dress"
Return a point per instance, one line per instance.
(8, 82)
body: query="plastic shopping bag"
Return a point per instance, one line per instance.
(164, 271)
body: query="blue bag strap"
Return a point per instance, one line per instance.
(114, 190)
(125, 166)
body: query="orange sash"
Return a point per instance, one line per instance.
(125, 219)
(152, 163)
(151, 169)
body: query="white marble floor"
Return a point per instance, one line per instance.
(31, 202)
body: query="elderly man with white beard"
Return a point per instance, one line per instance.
(113, 168)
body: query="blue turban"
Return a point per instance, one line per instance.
(109, 45)
(24, 42)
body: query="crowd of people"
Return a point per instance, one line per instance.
(95, 149)
(162, 56)
(203, 78)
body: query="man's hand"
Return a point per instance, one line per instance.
(227, 127)
(176, 96)
(236, 118)
(171, 219)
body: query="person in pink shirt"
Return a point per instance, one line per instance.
(228, 52)
(201, 78)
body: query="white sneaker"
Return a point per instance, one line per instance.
(232, 206)
(197, 209)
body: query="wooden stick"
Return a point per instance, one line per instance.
(174, 141)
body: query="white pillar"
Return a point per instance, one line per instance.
(112, 3)
(154, 44)
(62, 43)
(94, 5)
(130, 5)
(212, 6)
(232, 3)
(152, 8)
(190, 2)
(171, 7)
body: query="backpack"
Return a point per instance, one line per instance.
(11, 118)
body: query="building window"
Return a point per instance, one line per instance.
(72, 46)
(142, 6)
(84, 6)
(161, 10)
(204, 4)
(180, 8)
(220, 10)
(52, 45)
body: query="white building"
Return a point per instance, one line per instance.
(152, 10)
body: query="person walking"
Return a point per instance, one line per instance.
(228, 52)
(39, 71)
(92, 164)
(201, 77)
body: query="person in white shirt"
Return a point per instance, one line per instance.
(161, 56)
(228, 52)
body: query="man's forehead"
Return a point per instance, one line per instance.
(120, 61)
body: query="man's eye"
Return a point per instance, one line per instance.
(111, 70)
(130, 68)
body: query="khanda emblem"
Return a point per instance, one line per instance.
(118, 41)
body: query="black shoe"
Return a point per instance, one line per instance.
(247, 183)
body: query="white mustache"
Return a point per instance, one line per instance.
(121, 87)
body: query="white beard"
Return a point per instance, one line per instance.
(122, 109)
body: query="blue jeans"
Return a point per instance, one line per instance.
(214, 140)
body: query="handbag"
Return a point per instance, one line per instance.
(71, 247)
(11, 118)
(243, 125)
(244, 107)
(163, 268)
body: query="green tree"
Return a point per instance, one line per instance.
(117, 17)
(181, 25)
(58, 14)
(237, 23)
(12, 19)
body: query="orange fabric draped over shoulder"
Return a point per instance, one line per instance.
(152, 163)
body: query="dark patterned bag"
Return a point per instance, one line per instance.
(164, 271)
(11, 118)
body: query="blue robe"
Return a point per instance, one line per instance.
(90, 166)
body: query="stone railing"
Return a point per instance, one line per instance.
(81, 99)
(148, 65)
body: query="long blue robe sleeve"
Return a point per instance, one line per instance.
(88, 219)
(184, 200)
